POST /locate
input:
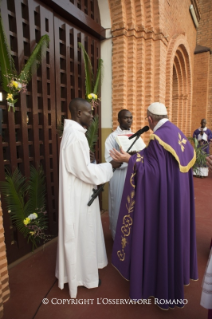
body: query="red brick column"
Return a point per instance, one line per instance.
(4, 283)
(201, 88)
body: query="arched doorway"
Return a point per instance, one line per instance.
(175, 97)
(178, 85)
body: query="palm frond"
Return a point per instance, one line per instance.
(98, 77)
(200, 154)
(88, 70)
(6, 60)
(23, 198)
(92, 133)
(36, 191)
(35, 59)
(60, 128)
(14, 190)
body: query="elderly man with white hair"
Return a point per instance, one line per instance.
(155, 243)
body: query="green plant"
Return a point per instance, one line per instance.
(60, 128)
(92, 133)
(13, 83)
(25, 201)
(200, 154)
(91, 85)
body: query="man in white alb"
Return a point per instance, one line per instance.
(81, 248)
(116, 184)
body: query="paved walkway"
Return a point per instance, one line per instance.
(31, 279)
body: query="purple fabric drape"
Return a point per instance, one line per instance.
(155, 244)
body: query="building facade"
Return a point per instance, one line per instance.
(152, 51)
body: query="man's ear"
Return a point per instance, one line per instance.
(79, 112)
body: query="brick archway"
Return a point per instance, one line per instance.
(175, 92)
(178, 84)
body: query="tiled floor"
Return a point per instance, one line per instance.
(33, 278)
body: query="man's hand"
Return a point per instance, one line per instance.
(115, 164)
(120, 156)
(209, 162)
(92, 156)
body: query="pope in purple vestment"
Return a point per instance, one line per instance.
(155, 243)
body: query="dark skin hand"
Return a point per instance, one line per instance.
(115, 164)
(133, 153)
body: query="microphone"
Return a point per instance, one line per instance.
(139, 132)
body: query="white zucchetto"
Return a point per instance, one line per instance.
(157, 108)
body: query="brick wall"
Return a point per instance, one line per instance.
(204, 38)
(200, 94)
(4, 280)
(149, 38)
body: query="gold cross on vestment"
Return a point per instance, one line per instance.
(181, 142)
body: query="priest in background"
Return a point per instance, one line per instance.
(155, 243)
(204, 137)
(81, 248)
(116, 183)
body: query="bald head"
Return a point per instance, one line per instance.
(81, 112)
(75, 105)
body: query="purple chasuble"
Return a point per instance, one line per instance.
(155, 243)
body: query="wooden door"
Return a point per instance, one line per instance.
(29, 135)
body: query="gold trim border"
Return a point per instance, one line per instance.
(167, 147)
(154, 296)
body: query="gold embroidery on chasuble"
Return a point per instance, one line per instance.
(181, 142)
(127, 219)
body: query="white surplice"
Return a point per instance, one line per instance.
(81, 248)
(206, 297)
(116, 184)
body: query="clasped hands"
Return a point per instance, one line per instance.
(119, 157)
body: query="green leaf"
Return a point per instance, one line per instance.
(35, 59)
(60, 128)
(200, 154)
(92, 133)
(24, 198)
(14, 190)
(88, 71)
(6, 60)
(36, 191)
(98, 77)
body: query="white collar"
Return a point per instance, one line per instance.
(74, 125)
(119, 130)
(204, 129)
(159, 124)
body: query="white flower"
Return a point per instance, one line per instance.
(92, 96)
(33, 216)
